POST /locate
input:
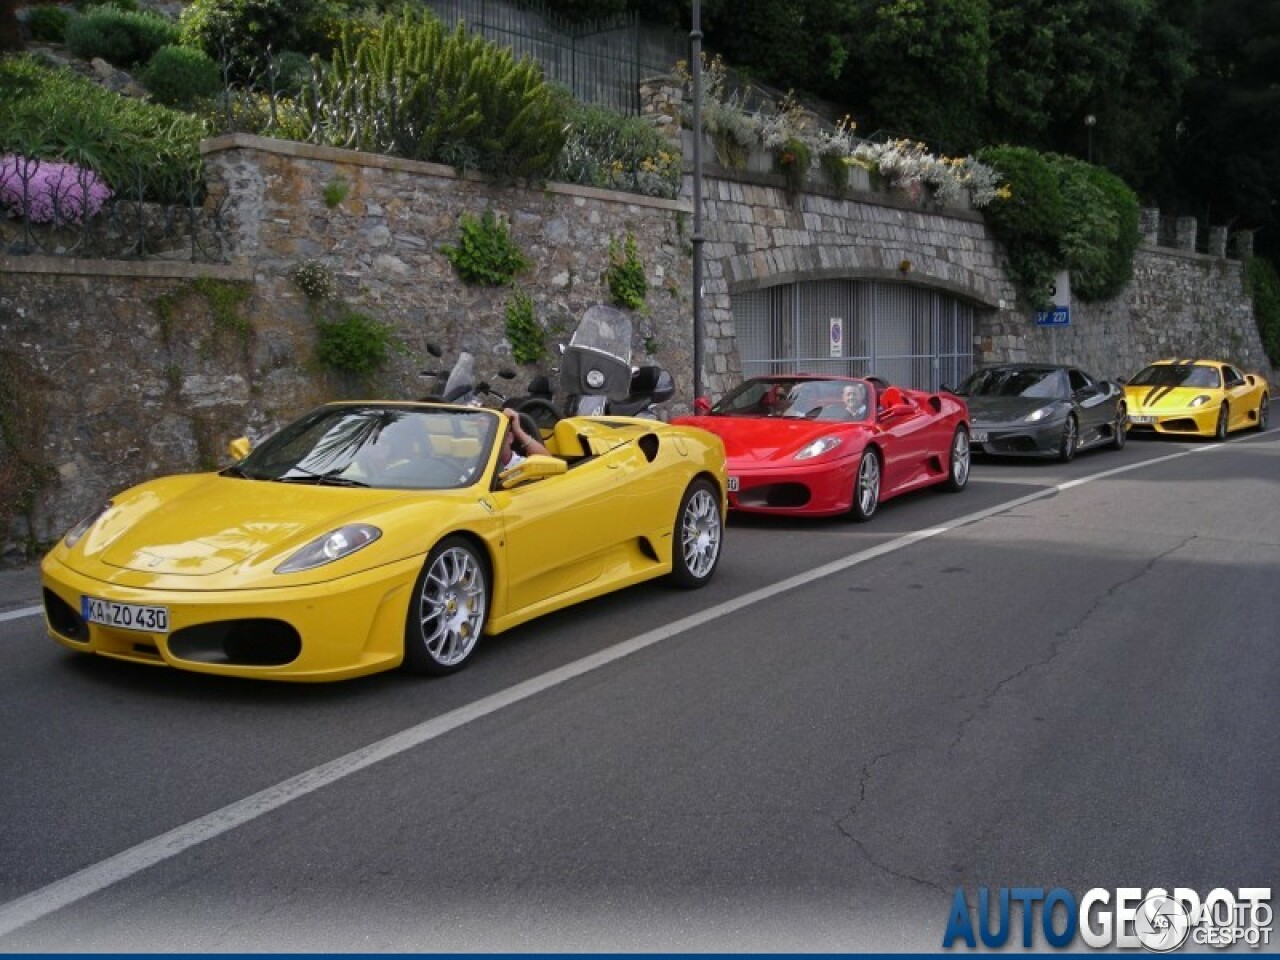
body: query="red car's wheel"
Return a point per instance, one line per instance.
(866, 488)
(958, 463)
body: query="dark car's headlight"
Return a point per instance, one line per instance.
(1200, 401)
(80, 529)
(818, 447)
(1044, 413)
(332, 546)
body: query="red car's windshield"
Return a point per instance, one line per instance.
(792, 397)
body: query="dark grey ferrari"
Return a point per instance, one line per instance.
(1042, 410)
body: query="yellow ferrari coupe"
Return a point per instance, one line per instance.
(366, 536)
(1199, 397)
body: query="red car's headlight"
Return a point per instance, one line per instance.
(332, 546)
(818, 447)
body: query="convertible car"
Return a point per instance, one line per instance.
(1207, 398)
(364, 536)
(829, 446)
(1042, 410)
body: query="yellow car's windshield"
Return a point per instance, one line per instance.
(378, 445)
(1177, 375)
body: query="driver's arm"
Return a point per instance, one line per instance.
(532, 445)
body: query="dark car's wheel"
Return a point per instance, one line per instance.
(699, 532)
(958, 465)
(1224, 417)
(1070, 437)
(1120, 429)
(1264, 412)
(866, 488)
(447, 609)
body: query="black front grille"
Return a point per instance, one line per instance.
(64, 619)
(246, 643)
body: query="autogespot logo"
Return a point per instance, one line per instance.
(1126, 918)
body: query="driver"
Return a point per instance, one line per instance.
(854, 397)
(508, 457)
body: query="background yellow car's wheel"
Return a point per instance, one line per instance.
(448, 608)
(699, 532)
(1264, 413)
(1224, 416)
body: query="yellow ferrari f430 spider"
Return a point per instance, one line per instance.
(364, 536)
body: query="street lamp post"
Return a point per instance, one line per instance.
(695, 62)
(1089, 122)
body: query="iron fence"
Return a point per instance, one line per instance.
(601, 62)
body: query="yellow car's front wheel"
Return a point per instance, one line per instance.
(448, 608)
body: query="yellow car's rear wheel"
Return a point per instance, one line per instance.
(1264, 413)
(699, 531)
(448, 608)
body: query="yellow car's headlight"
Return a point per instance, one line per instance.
(1200, 401)
(332, 546)
(80, 529)
(818, 447)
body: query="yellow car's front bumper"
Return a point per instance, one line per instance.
(328, 631)
(1186, 421)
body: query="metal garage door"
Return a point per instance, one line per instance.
(908, 335)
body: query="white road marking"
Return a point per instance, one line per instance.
(19, 613)
(96, 877)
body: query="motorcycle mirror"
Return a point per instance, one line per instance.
(701, 405)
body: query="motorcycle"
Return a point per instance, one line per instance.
(596, 374)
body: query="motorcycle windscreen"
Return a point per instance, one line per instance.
(598, 358)
(461, 378)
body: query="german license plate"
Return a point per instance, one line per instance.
(1142, 419)
(978, 436)
(127, 616)
(733, 484)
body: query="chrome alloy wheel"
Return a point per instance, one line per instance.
(960, 459)
(451, 606)
(700, 533)
(867, 489)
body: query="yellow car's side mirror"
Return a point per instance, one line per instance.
(537, 467)
(239, 448)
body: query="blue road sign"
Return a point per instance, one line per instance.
(1057, 317)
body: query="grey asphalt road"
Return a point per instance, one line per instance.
(1063, 677)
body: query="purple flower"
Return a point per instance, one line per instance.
(49, 191)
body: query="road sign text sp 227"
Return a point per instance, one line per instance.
(1057, 317)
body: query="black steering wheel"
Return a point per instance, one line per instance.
(530, 428)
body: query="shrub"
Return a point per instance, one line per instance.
(48, 24)
(604, 148)
(792, 160)
(120, 37)
(181, 76)
(1028, 219)
(1101, 229)
(1264, 287)
(625, 275)
(242, 33)
(133, 145)
(524, 333)
(46, 191)
(354, 343)
(486, 255)
(413, 89)
(315, 280)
